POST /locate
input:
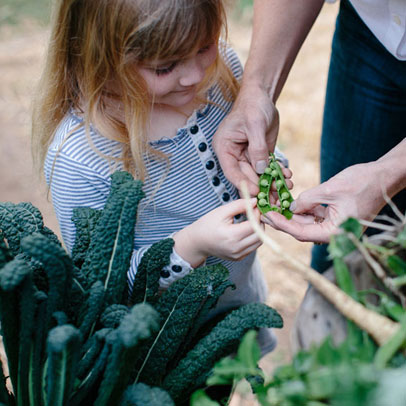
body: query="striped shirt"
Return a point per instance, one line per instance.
(193, 185)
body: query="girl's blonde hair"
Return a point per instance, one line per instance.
(95, 43)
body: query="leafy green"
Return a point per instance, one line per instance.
(146, 282)
(136, 327)
(17, 221)
(193, 370)
(63, 345)
(13, 280)
(85, 220)
(110, 249)
(143, 395)
(178, 307)
(58, 266)
(70, 337)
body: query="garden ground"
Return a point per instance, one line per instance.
(300, 106)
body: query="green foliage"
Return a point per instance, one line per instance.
(143, 395)
(353, 373)
(70, 335)
(15, 11)
(193, 370)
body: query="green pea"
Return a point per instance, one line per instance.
(285, 195)
(268, 171)
(261, 195)
(264, 182)
(279, 184)
(274, 173)
(262, 202)
(285, 204)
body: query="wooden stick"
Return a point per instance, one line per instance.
(379, 327)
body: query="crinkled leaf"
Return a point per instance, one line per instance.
(58, 267)
(146, 282)
(63, 348)
(13, 278)
(193, 370)
(113, 315)
(144, 395)
(178, 307)
(93, 308)
(111, 246)
(85, 220)
(136, 327)
(18, 221)
(5, 254)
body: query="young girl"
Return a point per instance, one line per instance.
(142, 85)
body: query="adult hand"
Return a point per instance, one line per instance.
(357, 191)
(244, 139)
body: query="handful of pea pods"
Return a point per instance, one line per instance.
(274, 173)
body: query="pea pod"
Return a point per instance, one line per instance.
(274, 173)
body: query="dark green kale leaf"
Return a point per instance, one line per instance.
(146, 282)
(144, 395)
(18, 221)
(85, 220)
(193, 370)
(178, 307)
(112, 242)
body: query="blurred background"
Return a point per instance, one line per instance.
(23, 38)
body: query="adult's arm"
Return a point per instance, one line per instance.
(251, 129)
(358, 191)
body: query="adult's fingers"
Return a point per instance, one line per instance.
(308, 200)
(231, 167)
(303, 229)
(261, 127)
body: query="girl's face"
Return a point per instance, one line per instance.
(175, 83)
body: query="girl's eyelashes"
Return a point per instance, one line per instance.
(204, 49)
(164, 70)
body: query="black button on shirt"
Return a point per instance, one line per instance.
(209, 164)
(226, 197)
(165, 273)
(216, 181)
(202, 147)
(194, 129)
(176, 268)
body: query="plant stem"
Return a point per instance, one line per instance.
(380, 328)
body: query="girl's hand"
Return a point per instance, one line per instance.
(216, 234)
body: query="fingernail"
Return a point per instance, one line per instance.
(293, 206)
(260, 166)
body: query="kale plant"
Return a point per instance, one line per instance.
(74, 336)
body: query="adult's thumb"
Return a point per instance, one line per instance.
(308, 200)
(258, 153)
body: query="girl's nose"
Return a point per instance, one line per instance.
(192, 73)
